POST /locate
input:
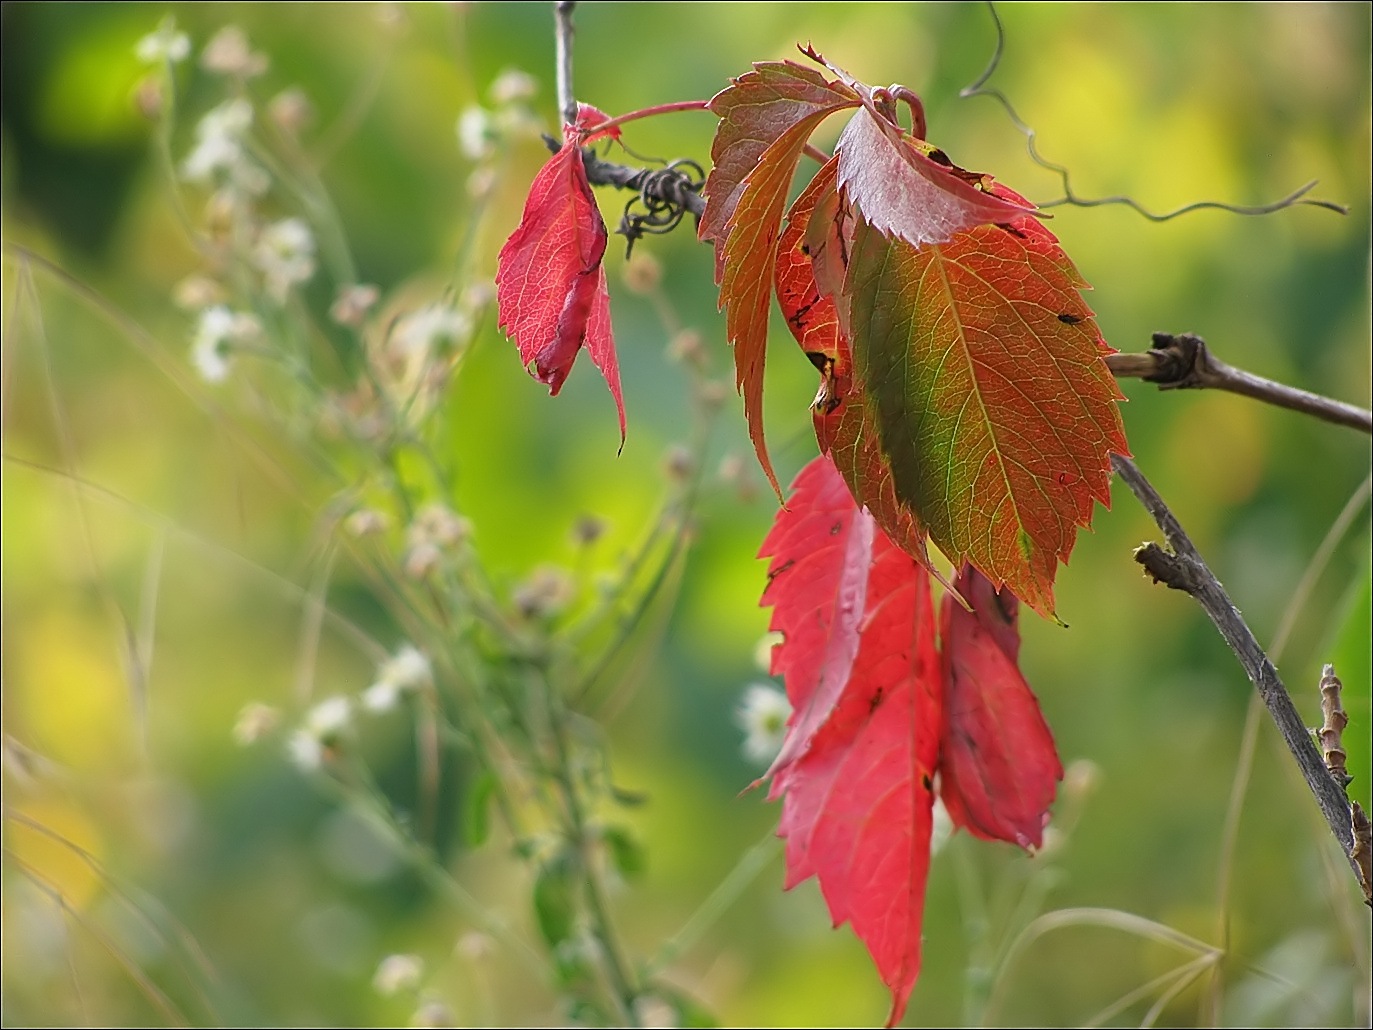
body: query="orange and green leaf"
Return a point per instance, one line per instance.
(766, 116)
(982, 374)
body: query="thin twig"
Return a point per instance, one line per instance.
(979, 88)
(567, 99)
(1184, 363)
(1182, 568)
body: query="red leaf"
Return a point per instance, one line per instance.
(998, 770)
(550, 285)
(857, 767)
(766, 116)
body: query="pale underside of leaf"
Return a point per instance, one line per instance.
(902, 192)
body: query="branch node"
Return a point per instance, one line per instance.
(1181, 362)
(1335, 720)
(1163, 566)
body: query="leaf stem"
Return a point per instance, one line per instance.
(649, 112)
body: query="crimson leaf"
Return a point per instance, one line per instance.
(857, 768)
(998, 768)
(550, 284)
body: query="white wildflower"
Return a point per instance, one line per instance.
(328, 720)
(422, 561)
(474, 946)
(291, 110)
(197, 291)
(512, 85)
(545, 593)
(322, 730)
(305, 751)
(285, 254)
(653, 1011)
(229, 53)
(406, 671)
(398, 974)
(220, 152)
(438, 524)
(432, 1014)
(164, 45)
(353, 302)
(762, 716)
(431, 329)
(254, 722)
(476, 133)
(217, 331)
(366, 522)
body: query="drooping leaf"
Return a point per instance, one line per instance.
(861, 669)
(998, 768)
(766, 116)
(550, 284)
(980, 369)
(817, 588)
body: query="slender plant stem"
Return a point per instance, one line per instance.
(754, 861)
(616, 967)
(563, 34)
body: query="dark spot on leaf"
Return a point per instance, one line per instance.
(1012, 230)
(876, 700)
(1069, 319)
(780, 569)
(836, 529)
(940, 158)
(822, 362)
(805, 249)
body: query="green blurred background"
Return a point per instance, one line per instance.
(218, 875)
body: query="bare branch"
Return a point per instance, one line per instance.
(1184, 363)
(1182, 568)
